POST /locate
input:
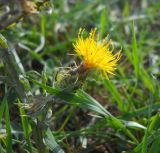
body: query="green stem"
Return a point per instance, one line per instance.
(68, 117)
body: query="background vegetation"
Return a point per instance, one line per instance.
(106, 116)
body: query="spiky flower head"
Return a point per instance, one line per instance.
(97, 54)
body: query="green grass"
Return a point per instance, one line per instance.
(116, 115)
(8, 129)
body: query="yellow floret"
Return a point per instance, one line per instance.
(97, 54)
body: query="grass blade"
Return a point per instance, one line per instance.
(104, 22)
(112, 89)
(8, 129)
(135, 52)
(147, 80)
(26, 127)
(2, 109)
(51, 142)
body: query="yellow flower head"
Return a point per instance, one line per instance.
(96, 54)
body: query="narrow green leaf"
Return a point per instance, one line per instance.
(135, 53)
(112, 89)
(51, 142)
(104, 22)
(147, 80)
(144, 142)
(8, 129)
(140, 111)
(155, 123)
(82, 99)
(2, 109)
(26, 127)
